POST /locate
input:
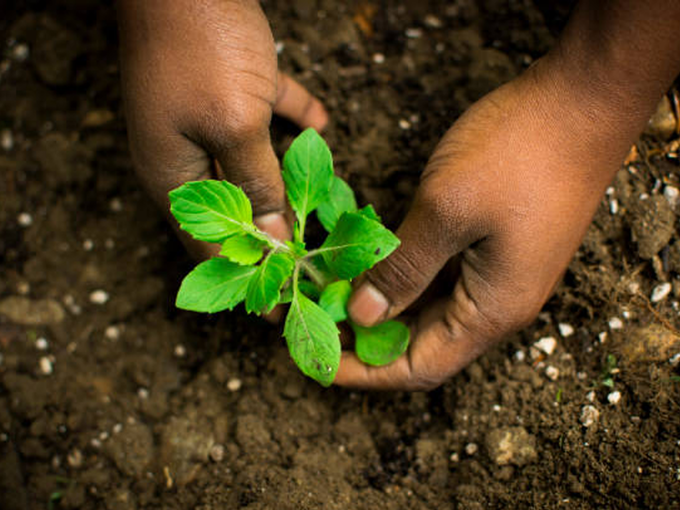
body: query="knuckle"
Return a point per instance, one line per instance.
(399, 272)
(266, 195)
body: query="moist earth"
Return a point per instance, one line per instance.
(112, 398)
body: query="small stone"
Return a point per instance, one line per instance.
(496, 408)
(378, 58)
(404, 124)
(116, 205)
(88, 245)
(675, 360)
(566, 330)
(103, 435)
(471, 448)
(143, 393)
(45, 365)
(234, 384)
(602, 337)
(520, 356)
(613, 206)
(24, 219)
(511, 445)
(6, 139)
(432, 21)
(662, 123)
(112, 333)
(95, 443)
(552, 373)
(454, 457)
(672, 195)
(615, 323)
(590, 396)
(614, 397)
(660, 292)
(626, 314)
(414, 33)
(217, 453)
(279, 46)
(75, 458)
(99, 297)
(581, 376)
(589, 416)
(41, 344)
(180, 351)
(546, 344)
(117, 428)
(20, 52)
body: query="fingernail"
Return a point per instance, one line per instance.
(368, 305)
(274, 224)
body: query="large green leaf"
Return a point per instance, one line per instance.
(264, 288)
(211, 210)
(308, 173)
(356, 244)
(313, 339)
(334, 299)
(340, 200)
(243, 249)
(214, 285)
(381, 344)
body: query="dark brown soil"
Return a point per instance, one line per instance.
(150, 407)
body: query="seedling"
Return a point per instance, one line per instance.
(255, 268)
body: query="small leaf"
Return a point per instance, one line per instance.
(214, 285)
(370, 213)
(340, 200)
(334, 299)
(243, 249)
(264, 288)
(307, 172)
(313, 340)
(356, 244)
(211, 210)
(381, 344)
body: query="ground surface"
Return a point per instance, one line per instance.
(129, 403)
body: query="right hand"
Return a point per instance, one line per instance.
(200, 83)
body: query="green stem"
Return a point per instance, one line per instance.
(314, 274)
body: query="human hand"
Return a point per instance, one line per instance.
(200, 82)
(508, 193)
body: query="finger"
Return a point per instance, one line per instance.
(428, 241)
(295, 103)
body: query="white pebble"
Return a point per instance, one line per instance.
(117, 428)
(143, 393)
(643, 196)
(96, 443)
(103, 435)
(545, 316)
(217, 453)
(581, 376)
(615, 323)
(234, 384)
(610, 191)
(24, 219)
(660, 292)
(633, 287)
(602, 337)
(88, 244)
(432, 21)
(46, 365)
(378, 58)
(116, 205)
(496, 408)
(672, 195)
(99, 297)
(471, 448)
(614, 397)
(404, 124)
(414, 33)
(279, 46)
(547, 344)
(590, 396)
(613, 206)
(520, 356)
(552, 373)
(675, 360)
(75, 458)
(6, 139)
(41, 344)
(626, 314)
(454, 457)
(112, 332)
(20, 52)
(589, 416)
(566, 330)
(180, 351)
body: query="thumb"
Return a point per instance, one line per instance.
(428, 240)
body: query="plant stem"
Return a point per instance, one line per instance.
(314, 274)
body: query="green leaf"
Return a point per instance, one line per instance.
(334, 299)
(313, 340)
(307, 172)
(214, 285)
(264, 288)
(356, 244)
(340, 200)
(309, 289)
(243, 249)
(370, 213)
(381, 344)
(211, 210)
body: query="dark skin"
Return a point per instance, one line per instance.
(508, 193)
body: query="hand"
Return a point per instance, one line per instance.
(509, 192)
(200, 82)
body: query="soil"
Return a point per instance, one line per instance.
(111, 398)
